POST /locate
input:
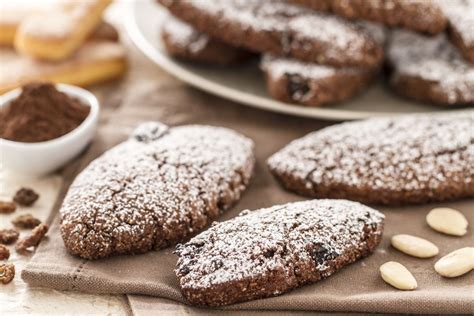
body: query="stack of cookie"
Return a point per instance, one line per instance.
(68, 42)
(321, 52)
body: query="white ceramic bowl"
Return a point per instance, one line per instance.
(37, 159)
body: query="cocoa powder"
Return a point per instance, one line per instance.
(41, 113)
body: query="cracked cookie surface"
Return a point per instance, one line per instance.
(271, 251)
(157, 188)
(400, 160)
(281, 28)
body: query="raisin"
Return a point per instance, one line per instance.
(33, 239)
(184, 270)
(297, 87)
(8, 236)
(7, 207)
(4, 252)
(322, 254)
(26, 221)
(25, 197)
(7, 272)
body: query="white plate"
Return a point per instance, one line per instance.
(244, 84)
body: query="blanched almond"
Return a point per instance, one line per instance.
(414, 246)
(448, 221)
(456, 263)
(397, 276)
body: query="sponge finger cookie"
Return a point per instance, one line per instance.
(58, 33)
(95, 62)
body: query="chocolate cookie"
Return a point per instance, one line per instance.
(271, 251)
(460, 14)
(185, 42)
(429, 69)
(418, 15)
(280, 28)
(310, 84)
(155, 189)
(400, 160)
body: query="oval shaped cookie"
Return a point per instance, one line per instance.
(419, 15)
(400, 160)
(155, 189)
(283, 29)
(310, 84)
(429, 69)
(271, 251)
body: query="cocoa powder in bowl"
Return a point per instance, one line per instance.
(41, 113)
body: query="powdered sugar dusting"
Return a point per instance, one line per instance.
(433, 59)
(460, 14)
(276, 240)
(296, 27)
(184, 35)
(404, 156)
(17, 69)
(150, 194)
(279, 66)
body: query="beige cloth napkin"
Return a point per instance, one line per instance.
(357, 288)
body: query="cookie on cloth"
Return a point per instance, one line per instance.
(418, 15)
(274, 250)
(282, 29)
(429, 69)
(159, 187)
(185, 42)
(392, 161)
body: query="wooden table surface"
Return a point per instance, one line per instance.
(17, 298)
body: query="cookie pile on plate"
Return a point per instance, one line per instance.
(321, 52)
(67, 42)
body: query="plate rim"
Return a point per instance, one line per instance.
(182, 73)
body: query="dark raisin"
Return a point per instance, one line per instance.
(25, 197)
(321, 254)
(297, 86)
(269, 253)
(184, 270)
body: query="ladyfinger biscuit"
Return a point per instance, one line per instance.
(418, 15)
(429, 69)
(460, 14)
(282, 29)
(94, 62)
(56, 34)
(185, 42)
(10, 18)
